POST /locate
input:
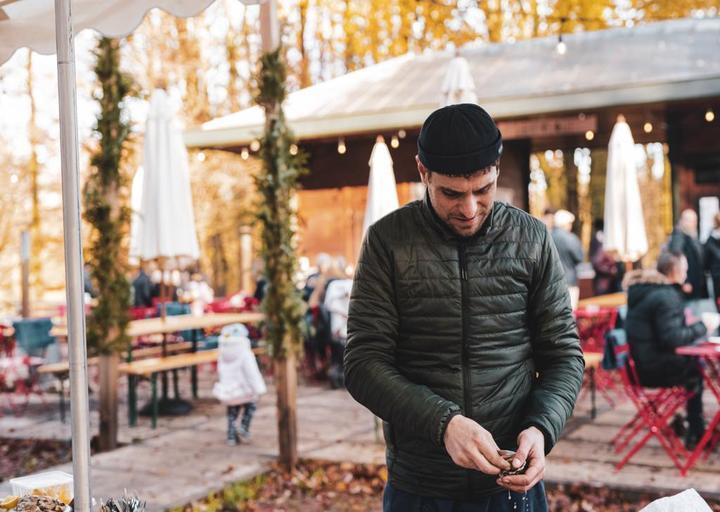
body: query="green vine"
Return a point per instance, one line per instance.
(276, 184)
(105, 209)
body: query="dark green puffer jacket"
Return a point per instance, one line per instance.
(441, 326)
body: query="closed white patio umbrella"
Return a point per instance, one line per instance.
(382, 192)
(164, 225)
(624, 223)
(458, 85)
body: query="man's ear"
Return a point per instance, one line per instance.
(422, 170)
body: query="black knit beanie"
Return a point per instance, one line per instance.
(459, 139)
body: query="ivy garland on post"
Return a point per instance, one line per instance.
(276, 184)
(108, 215)
(282, 304)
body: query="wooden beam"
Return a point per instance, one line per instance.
(547, 127)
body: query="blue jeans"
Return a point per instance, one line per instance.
(395, 500)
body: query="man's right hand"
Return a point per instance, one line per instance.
(471, 446)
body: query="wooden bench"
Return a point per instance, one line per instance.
(61, 370)
(150, 368)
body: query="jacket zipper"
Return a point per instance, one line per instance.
(465, 352)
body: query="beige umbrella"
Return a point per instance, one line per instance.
(624, 223)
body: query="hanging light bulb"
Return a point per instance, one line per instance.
(293, 149)
(244, 154)
(561, 47)
(647, 127)
(394, 142)
(589, 135)
(709, 115)
(402, 134)
(254, 145)
(341, 146)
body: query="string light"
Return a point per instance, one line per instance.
(254, 145)
(200, 157)
(341, 146)
(589, 135)
(293, 149)
(394, 142)
(709, 115)
(13, 178)
(402, 134)
(647, 127)
(244, 154)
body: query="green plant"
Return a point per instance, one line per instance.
(276, 184)
(105, 208)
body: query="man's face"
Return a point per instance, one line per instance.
(462, 203)
(689, 221)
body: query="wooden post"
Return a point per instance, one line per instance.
(286, 382)
(25, 271)
(108, 401)
(285, 371)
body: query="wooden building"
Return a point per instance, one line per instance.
(663, 77)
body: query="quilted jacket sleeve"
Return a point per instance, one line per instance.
(556, 347)
(371, 376)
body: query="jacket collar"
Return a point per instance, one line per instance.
(439, 226)
(644, 276)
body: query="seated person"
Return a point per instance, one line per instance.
(656, 326)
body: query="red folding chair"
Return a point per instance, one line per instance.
(593, 323)
(655, 408)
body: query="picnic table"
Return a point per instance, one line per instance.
(171, 324)
(709, 353)
(610, 300)
(150, 368)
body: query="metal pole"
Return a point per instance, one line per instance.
(73, 255)
(269, 26)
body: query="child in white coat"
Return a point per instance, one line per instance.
(240, 382)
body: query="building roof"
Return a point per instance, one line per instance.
(664, 61)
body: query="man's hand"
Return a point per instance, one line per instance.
(531, 448)
(471, 446)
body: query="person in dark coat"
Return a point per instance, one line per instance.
(603, 263)
(460, 332)
(712, 259)
(684, 240)
(656, 326)
(142, 290)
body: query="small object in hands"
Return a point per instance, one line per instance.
(509, 455)
(31, 503)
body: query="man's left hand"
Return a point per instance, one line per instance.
(531, 448)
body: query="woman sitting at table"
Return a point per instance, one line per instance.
(656, 326)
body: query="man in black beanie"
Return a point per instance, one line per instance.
(460, 332)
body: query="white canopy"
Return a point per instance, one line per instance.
(382, 192)
(47, 26)
(28, 23)
(458, 85)
(624, 222)
(164, 224)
